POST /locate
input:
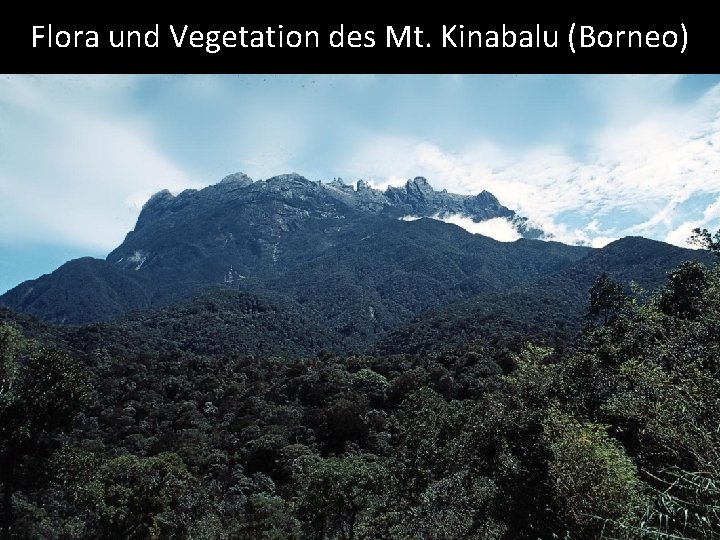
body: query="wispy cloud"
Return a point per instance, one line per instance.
(74, 171)
(633, 178)
(588, 159)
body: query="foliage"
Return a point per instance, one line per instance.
(42, 388)
(593, 479)
(138, 430)
(606, 298)
(337, 493)
(704, 239)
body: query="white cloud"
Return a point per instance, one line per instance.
(497, 228)
(634, 178)
(681, 234)
(602, 241)
(74, 171)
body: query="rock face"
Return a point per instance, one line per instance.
(238, 228)
(419, 198)
(416, 198)
(253, 217)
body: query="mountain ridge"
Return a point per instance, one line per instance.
(340, 255)
(237, 229)
(416, 197)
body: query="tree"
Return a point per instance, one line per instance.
(606, 298)
(154, 497)
(706, 240)
(371, 384)
(344, 421)
(685, 295)
(593, 480)
(42, 390)
(268, 517)
(337, 493)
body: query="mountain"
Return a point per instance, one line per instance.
(239, 228)
(241, 233)
(81, 290)
(337, 259)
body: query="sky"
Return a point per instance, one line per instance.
(587, 158)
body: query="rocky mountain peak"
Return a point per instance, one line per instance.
(338, 183)
(420, 184)
(239, 178)
(416, 197)
(485, 199)
(154, 206)
(290, 178)
(160, 197)
(362, 185)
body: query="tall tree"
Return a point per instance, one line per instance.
(41, 391)
(606, 298)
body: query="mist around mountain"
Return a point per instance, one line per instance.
(292, 359)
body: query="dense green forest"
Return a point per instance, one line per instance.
(136, 432)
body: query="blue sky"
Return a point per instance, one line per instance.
(587, 158)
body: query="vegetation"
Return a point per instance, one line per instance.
(136, 431)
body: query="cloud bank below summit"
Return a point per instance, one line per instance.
(500, 229)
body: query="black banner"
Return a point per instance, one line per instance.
(606, 43)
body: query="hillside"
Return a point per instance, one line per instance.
(549, 309)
